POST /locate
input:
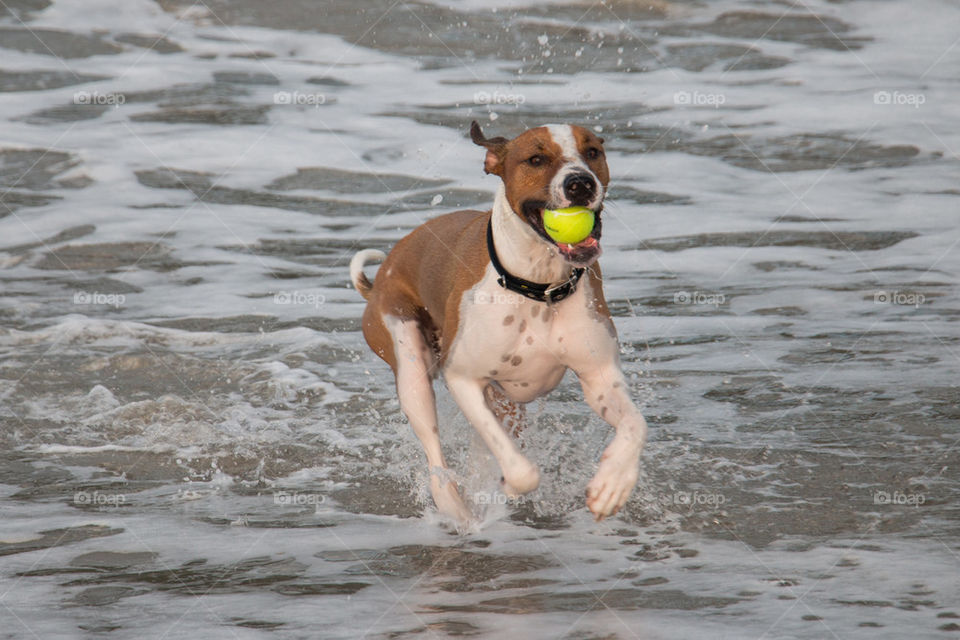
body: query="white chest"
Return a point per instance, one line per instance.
(523, 344)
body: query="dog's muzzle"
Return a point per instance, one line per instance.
(580, 189)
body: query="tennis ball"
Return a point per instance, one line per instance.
(569, 225)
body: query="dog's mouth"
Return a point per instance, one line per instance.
(582, 253)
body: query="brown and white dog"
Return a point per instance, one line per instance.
(492, 302)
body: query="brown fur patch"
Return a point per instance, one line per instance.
(587, 139)
(452, 250)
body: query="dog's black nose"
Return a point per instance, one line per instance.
(580, 188)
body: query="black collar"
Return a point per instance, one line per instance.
(533, 290)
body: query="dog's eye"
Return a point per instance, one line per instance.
(536, 160)
(592, 153)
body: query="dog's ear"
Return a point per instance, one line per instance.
(496, 149)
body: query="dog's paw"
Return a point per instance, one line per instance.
(447, 498)
(523, 477)
(613, 484)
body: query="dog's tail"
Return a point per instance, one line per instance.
(357, 277)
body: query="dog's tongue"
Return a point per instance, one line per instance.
(571, 250)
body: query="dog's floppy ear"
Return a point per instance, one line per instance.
(496, 149)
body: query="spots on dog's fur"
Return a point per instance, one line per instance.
(546, 316)
(603, 412)
(505, 357)
(516, 360)
(560, 339)
(617, 385)
(599, 397)
(524, 384)
(523, 325)
(535, 311)
(508, 320)
(494, 372)
(529, 339)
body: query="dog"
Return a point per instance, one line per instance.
(492, 302)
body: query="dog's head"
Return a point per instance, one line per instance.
(551, 167)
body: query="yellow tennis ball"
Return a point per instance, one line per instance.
(569, 225)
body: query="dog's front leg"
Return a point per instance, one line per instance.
(519, 474)
(606, 392)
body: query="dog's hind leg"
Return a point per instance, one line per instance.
(414, 360)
